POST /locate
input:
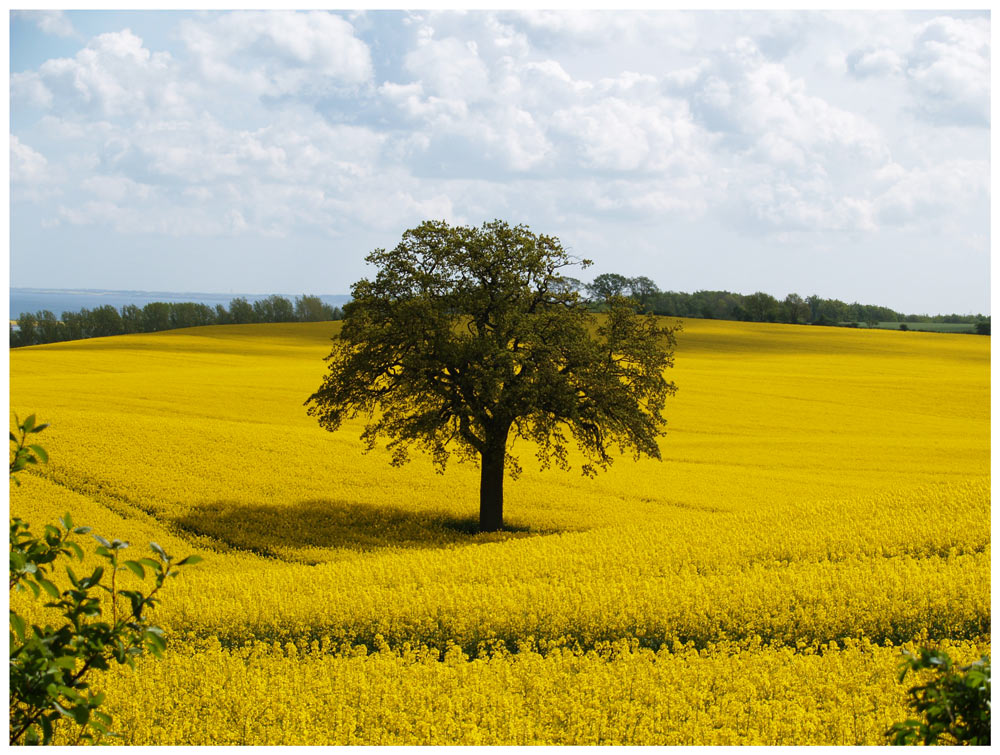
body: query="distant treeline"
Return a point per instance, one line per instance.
(757, 307)
(44, 327)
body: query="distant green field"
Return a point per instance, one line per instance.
(933, 327)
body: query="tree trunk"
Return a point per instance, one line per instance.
(491, 485)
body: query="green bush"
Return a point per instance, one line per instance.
(49, 666)
(954, 705)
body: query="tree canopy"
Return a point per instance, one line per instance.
(470, 338)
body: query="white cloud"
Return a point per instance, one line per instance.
(278, 52)
(116, 188)
(26, 165)
(874, 62)
(922, 195)
(949, 69)
(113, 76)
(52, 22)
(599, 28)
(620, 135)
(946, 64)
(449, 68)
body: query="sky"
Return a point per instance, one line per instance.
(838, 154)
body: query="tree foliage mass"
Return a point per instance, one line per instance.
(470, 338)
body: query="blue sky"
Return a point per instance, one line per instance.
(839, 154)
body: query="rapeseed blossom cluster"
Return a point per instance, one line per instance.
(728, 694)
(824, 500)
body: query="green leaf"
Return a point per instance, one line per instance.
(136, 568)
(40, 452)
(95, 578)
(81, 714)
(40, 428)
(98, 726)
(71, 694)
(46, 730)
(102, 541)
(28, 424)
(17, 624)
(50, 588)
(159, 551)
(156, 642)
(193, 559)
(154, 565)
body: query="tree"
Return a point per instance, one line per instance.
(27, 329)
(50, 330)
(156, 317)
(263, 310)
(283, 309)
(73, 325)
(607, 286)
(189, 314)
(814, 303)
(241, 311)
(131, 318)
(105, 321)
(469, 338)
(762, 307)
(643, 290)
(795, 309)
(311, 309)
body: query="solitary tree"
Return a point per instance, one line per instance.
(470, 338)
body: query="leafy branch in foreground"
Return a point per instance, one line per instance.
(23, 452)
(954, 706)
(49, 665)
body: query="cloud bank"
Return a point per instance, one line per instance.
(324, 130)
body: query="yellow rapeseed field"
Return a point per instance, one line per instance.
(823, 501)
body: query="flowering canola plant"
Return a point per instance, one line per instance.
(823, 501)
